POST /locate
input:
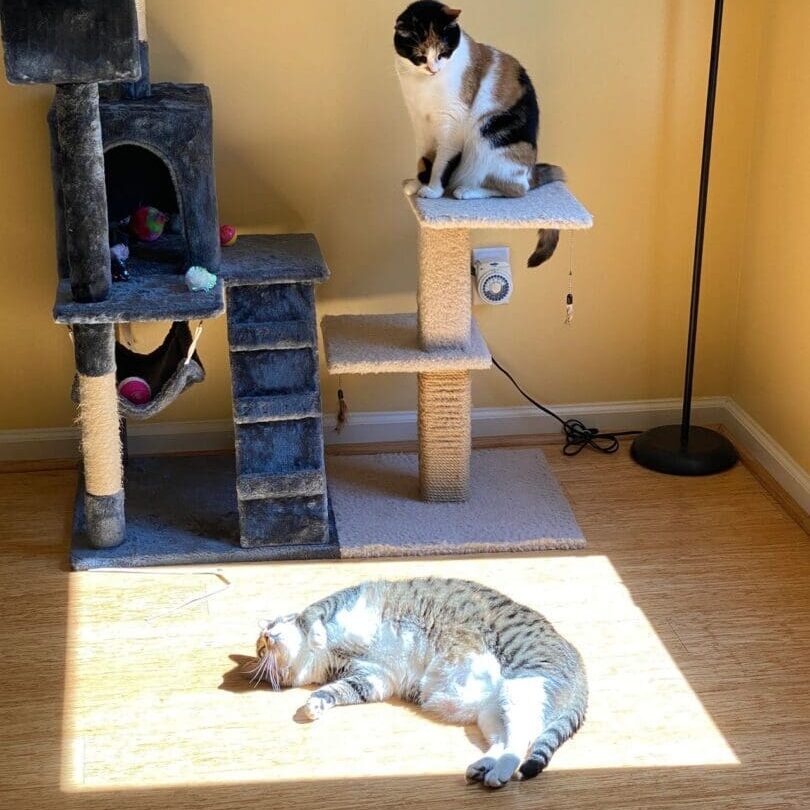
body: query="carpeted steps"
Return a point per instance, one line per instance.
(246, 337)
(277, 408)
(280, 477)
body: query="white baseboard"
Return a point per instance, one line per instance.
(398, 426)
(770, 454)
(146, 438)
(39, 444)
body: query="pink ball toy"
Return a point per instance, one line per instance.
(135, 390)
(227, 235)
(147, 223)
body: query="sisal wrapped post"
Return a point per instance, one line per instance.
(94, 347)
(444, 301)
(444, 294)
(444, 436)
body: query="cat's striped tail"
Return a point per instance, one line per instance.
(560, 729)
(548, 238)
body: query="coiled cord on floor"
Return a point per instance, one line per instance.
(577, 435)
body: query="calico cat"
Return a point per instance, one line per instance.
(474, 113)
(456, 648)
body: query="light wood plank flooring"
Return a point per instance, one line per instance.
(691, 606)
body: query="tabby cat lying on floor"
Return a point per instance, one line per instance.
(456, 648)
(474, 113)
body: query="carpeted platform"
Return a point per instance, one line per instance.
(550, 206)
(183, 510)
(515, 504)
(372, 344)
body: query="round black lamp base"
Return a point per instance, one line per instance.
(705, 453)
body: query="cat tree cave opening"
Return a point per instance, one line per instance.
(137, 176)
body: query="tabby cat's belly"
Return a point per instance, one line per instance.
(458, 691)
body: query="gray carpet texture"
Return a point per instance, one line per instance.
(183, 510)
(515, 504)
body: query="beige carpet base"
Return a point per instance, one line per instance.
(515, 504)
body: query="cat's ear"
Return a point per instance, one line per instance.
(400, 27)
(316, 638)
(452, 13)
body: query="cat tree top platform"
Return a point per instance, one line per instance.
(377, 344)
(550, 206)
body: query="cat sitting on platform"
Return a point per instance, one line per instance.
(474, 113)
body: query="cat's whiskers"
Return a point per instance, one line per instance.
(259, 671)
(267, 669)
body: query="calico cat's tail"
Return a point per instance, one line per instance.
(547, 238)
(565, 725)
(545, 173)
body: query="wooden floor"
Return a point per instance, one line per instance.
(691, 607)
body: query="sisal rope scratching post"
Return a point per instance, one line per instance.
(444, 436)
(443, 297)
(101, 442)
(444, 400)
(94, 347)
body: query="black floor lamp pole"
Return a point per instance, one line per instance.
(684, 449)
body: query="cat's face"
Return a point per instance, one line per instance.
(427, 35)
(286, 653)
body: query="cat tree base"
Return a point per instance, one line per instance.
(184, 510)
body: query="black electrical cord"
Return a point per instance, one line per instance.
(577, 435)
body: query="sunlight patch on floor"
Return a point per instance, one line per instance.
(152, 697)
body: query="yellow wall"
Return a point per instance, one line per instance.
(771, 371)
(311, 134)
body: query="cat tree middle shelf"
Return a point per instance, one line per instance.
(145, 298)
(377, 344)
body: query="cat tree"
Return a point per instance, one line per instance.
(118, 142)
(441, 343)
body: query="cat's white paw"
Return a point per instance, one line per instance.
(411, 187)
(467, 193)
(315, 707)
(480, 768)
(431, 192)
(494, 773)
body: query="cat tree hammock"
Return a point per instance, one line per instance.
(441, 343)
(118, 142)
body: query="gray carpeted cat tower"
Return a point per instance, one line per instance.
(120, 142)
